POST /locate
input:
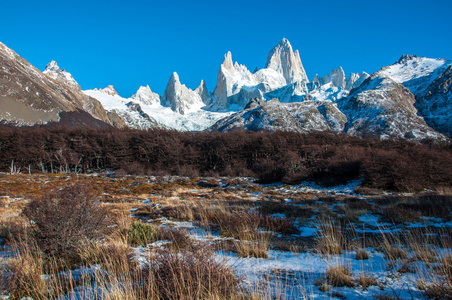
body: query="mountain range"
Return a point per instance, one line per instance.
(410, 99)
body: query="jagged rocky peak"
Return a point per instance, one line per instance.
(336, 77)
(285, 61)
(202, 91)
(227, 61)
(180, 98)
(355, 80)
(231, 78)
(146, 96)
(109, 90)
(52, 66)
(406, 57)
(53, 71)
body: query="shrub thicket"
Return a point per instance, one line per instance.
(65, 220)
(329, 158)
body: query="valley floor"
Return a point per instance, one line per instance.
(280, 241)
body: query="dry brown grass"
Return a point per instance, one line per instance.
(390, 247)
(440, 284)
(24, 274)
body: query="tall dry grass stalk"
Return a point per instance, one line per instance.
(331, 240)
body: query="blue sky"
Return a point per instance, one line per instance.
(133, 43)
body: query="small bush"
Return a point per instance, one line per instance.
(253, 244)
(114, 256)
(140, 233)
(361, 254)
(324, 288)
(358, 204)
(192, 274)
(365, 281)
(64, 220)
(339, 276)
(438, 291)
(178, 236)
(15, 231)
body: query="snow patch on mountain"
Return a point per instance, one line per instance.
(141, 115)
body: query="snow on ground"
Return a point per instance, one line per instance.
(307, 186)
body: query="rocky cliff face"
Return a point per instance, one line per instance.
(231, 78)
(273, 115)
(355, 80)
(285, 61)
(202, 91)
(336, 78)
(435, 105)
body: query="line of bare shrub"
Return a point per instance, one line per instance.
(328, 158)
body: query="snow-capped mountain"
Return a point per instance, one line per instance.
(410, 99)
(415, 73)
(436, 102)
(236, 85)
(146, 96)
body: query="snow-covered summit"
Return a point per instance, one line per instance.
(416, 73)
(146, 96)
(231, 78)
(53, 71)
